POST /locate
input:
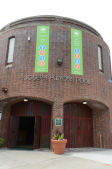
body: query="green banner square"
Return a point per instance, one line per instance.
(76, 52)
(42, 49)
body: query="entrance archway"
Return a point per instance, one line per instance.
(30, 124)
(78, 125)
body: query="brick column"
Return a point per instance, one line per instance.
(101, 128)
(57, 112)
(4, 122)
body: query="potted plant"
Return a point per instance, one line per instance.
(58, 143)
(1, 142)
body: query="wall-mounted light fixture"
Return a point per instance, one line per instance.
(59, 61)
(29, 38)
(84, 102)
(4, 89)
(25, 100)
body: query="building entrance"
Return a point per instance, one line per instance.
(78, 125)
(30, 125)
(26, 132)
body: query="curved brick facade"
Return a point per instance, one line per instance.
(19, 77)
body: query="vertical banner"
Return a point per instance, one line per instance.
(42, 49)
(76, 52)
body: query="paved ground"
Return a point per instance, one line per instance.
(72, 159)
(99, 155)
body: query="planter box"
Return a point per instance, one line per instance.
(58, 146)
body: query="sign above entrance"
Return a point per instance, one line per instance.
(58, 122)
(57, 78)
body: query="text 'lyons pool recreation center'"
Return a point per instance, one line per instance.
(55, 74)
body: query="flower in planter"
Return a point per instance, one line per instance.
(58, 136)
(58, 143)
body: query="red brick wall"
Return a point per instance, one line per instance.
(55, 92)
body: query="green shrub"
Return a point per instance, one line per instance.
(1, 141)
(61, 136)
(58, 136)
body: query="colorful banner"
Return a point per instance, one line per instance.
(76, 52)
(42, 49)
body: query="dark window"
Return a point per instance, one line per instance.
(10, 50)
(0, 115)
(100, 58)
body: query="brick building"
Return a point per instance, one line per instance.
(34, 103)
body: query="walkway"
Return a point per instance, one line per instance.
(72, 159)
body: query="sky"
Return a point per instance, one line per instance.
(96, 13)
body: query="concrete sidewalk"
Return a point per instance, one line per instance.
(95, 154)
(19, 159)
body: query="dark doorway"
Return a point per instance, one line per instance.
(37, 138)
(26, 132)
(30, 125)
